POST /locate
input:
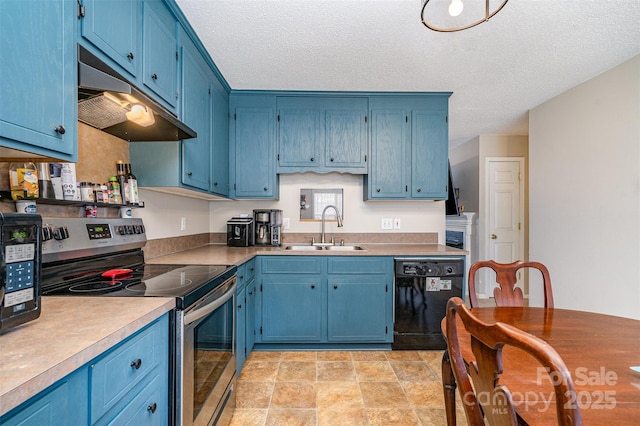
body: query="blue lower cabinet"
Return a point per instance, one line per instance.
(241, 320)
(127, 384)
(292, 308)
(245, 312)
(358, 309)
(325, 300)
(59, 401)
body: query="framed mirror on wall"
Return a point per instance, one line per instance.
(314, 201)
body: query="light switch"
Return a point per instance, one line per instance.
(396, 223)
(387, 224)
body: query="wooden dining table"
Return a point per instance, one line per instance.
(599, 351)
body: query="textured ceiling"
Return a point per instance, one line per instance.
(528, 53)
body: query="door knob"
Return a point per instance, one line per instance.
(494, 237)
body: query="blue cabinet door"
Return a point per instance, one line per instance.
(346, 139)
(388, 174)
(196, 113)
(241, 325)
(64, 401)
(429, 154)
(160, 59)
(252, 151)
(299, 132)
(250, 330)
(38, 77)
(220, 143)
(292, 308)
(357, 308)
(114, 28)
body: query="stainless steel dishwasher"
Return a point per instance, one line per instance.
(423, 285)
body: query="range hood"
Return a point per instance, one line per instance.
(106, 101)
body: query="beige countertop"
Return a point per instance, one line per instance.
(224, 255)
(70, 332)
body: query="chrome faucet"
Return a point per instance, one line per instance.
(338, 218)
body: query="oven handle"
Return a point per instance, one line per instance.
(196, 314)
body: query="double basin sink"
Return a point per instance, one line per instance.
(307, 247)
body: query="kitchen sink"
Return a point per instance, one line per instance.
(303, 247)
(344, 248)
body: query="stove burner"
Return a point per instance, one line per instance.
(96, 287)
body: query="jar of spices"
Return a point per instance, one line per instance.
(115, 196)
(86, 192)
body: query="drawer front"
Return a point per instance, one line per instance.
(360, 265)
(113, 375)
(291, 265)
(147, 406)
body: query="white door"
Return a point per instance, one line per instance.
(506, 213)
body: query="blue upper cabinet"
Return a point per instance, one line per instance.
(38, 77)
(138, 39)
(252, 153)
(322, 134)
(196, 113)
(114, 28)
(160, 58)
(409, 147)
(220, 142)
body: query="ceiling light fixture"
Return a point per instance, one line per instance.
(455, 9)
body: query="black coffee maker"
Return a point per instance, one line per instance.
(267, 226)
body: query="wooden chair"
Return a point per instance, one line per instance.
(507, 294)
(481, 383)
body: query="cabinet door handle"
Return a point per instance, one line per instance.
(60, 130)
(130, 56)
(335, 287)
(152, 408)
(250, 293)
(419, 189)
(154, 76)
(136, 363)
(378, 190)
(215, 183)
(265, 189)
(313, 286)
(190, 174)
(494, 237)
(331, 159)
(312, 159)
(239, 307)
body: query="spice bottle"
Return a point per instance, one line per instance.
(115, 197)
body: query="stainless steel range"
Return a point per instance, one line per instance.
(102, 257)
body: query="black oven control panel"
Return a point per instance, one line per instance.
(98, 231)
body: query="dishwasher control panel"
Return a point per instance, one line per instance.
(429, 267)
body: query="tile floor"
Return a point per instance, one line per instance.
(341, 388)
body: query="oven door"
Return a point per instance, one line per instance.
(205, 358)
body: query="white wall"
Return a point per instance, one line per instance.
(359, 216)
(163, 212)
(584, 158)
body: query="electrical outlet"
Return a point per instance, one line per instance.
(387, 224)
(183, 223)
(396, 223)
(286, 223)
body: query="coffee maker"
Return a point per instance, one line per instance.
(267, 226)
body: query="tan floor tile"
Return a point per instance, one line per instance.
(430, 355)
(299, 356)
(333, 356)
(379, 371)
(249, 417)
(342, 417)
(432, 416)
(424, 394)
(383, 395)
(294, 395)
(436, 367)
(296, 371)
(253, 394)
(291, 417)
(259, 371)
(412, 371)
(402, 356)
(339, 395)
(264, 356)
(368, 356)
(392, 416)
(336, 371)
